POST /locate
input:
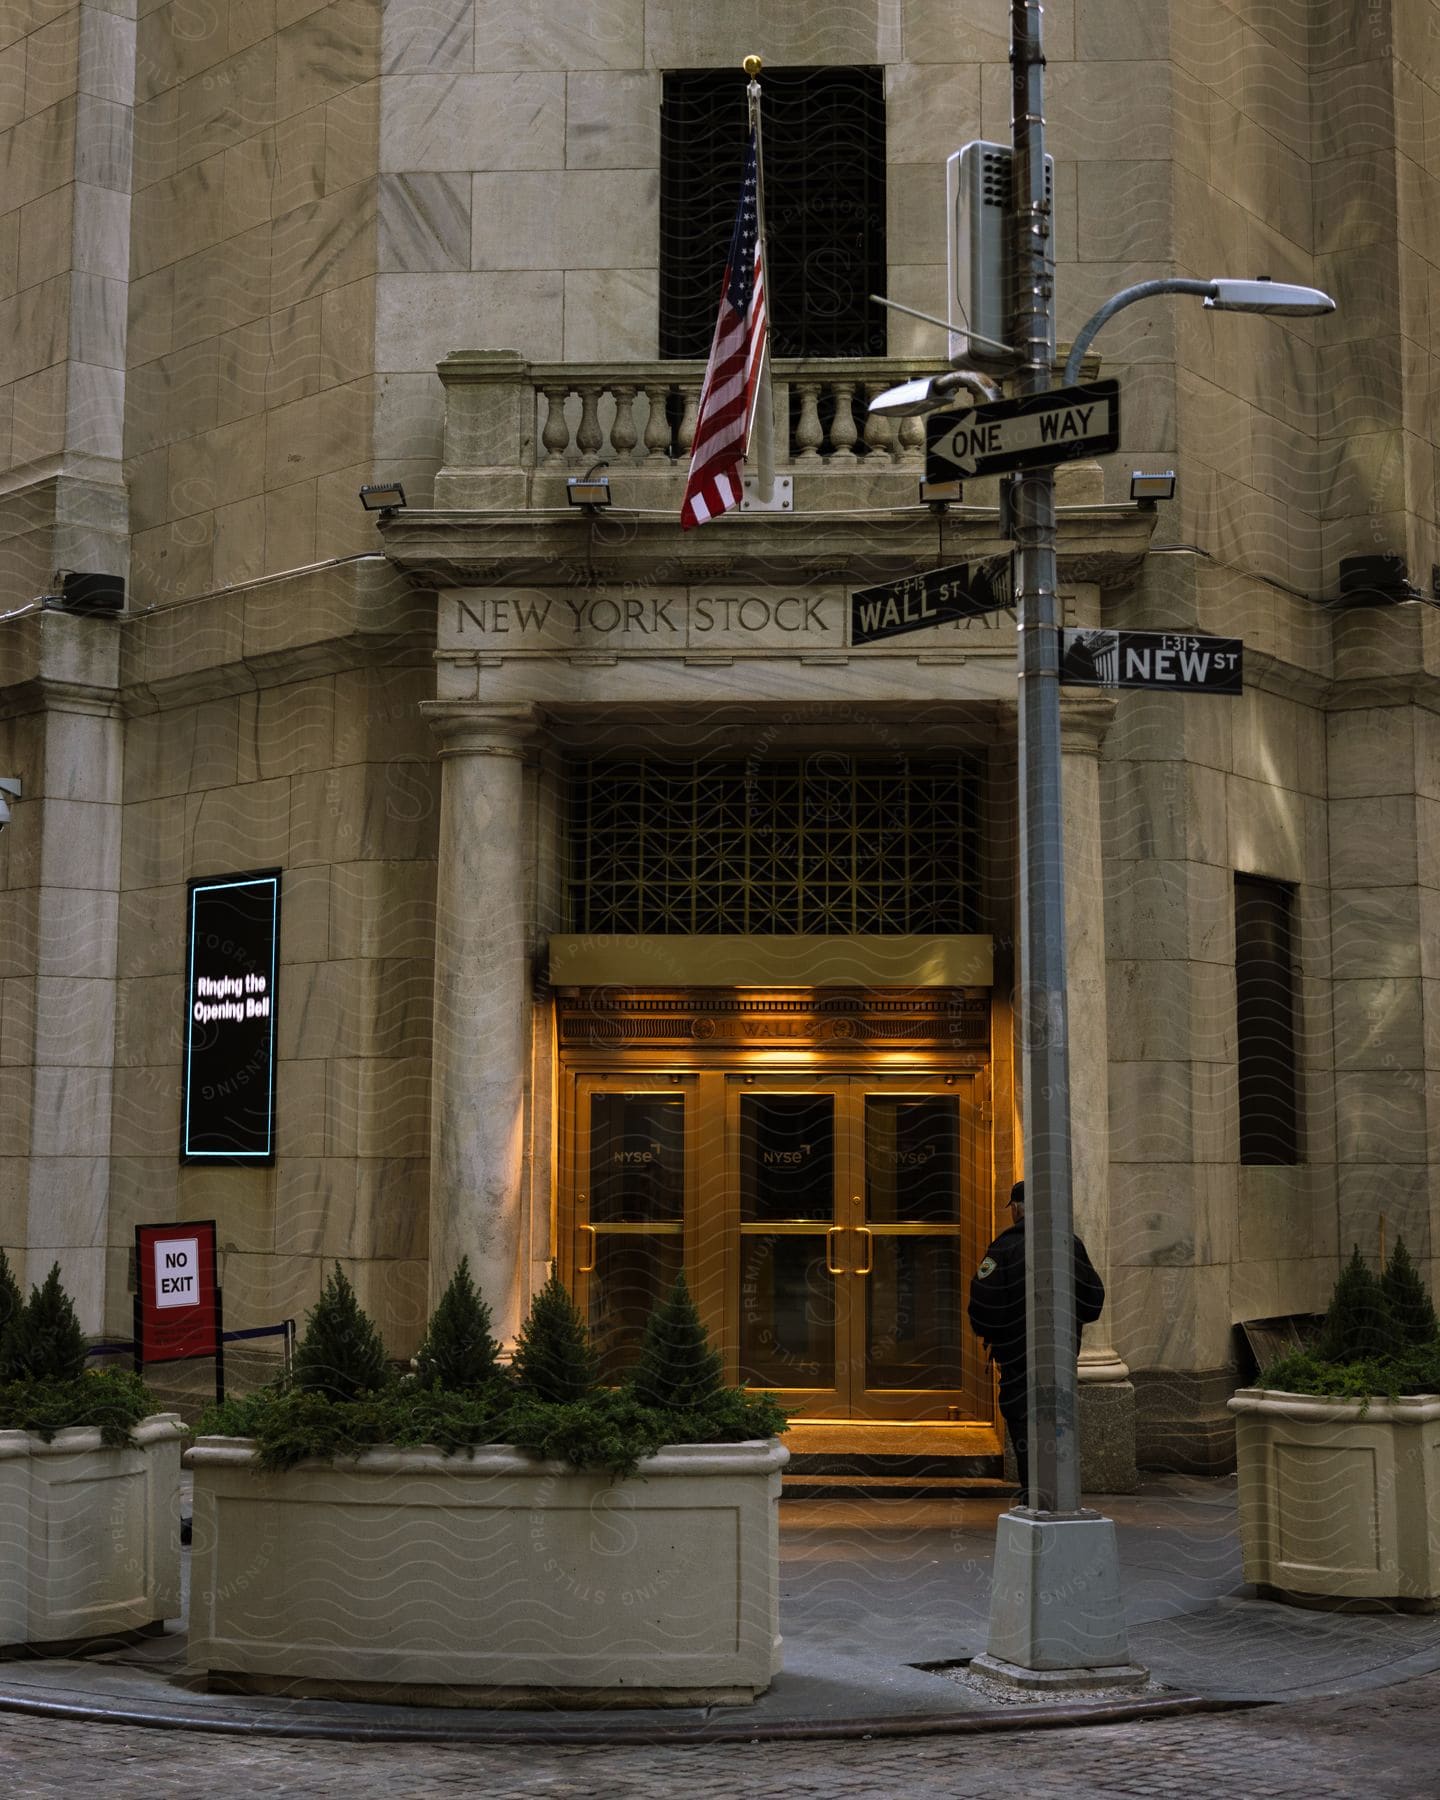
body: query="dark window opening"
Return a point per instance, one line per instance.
(826, 844)
(823, 135)
(1265, 1010)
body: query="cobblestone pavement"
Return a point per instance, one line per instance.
(1374, 1745)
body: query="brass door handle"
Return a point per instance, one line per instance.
(586, 1268)
(830, 1268)
(869, 1237)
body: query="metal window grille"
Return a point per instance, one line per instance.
(823, 845)
(824, 134)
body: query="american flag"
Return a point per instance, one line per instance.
(734, 389)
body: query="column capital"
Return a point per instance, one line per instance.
(468, 730)
(1084, 723)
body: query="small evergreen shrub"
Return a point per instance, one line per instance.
(459, 1352)
(44, 1342)
(11, 1301)
(677, 1367)
(1380, 1337)
(461, 1398)
(1411, 1311)
(114, 1400)
(1358, 1323)
(341, 1355)
(554, 1359)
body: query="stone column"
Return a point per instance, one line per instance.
(1107, 1396)
(482, 1003)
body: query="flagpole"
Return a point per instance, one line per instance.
(764, 412)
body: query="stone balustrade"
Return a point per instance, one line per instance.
(516, 430)
(646, 412)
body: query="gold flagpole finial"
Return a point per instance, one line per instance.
(752, 66)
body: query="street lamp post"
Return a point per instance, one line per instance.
(1056, 1612)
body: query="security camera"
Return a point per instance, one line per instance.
(9, 784)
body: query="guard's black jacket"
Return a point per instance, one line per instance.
(997, 1304)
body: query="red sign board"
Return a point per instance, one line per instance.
(178, 1311)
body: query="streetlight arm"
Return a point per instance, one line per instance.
(1142, 290)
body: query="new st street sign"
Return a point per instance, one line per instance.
(1175, 660)
(961, 591)
(1030, 432)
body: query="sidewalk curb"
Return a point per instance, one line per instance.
(1015, 1718)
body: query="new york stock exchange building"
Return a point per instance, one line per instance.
(601, 898)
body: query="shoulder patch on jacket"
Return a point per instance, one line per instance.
(986, 1268)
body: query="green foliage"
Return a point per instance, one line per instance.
(553, 1357)
(613, 1429)
(289, 1424)
(115, 1400)
(553, 1409)
(459, 1351)
(11, 1300)
(1411, 1310)
(1415, 1370)
(44, 1342)
(1357, 1325)
(341, 1355)
(677, 1367)
(1380, 1336)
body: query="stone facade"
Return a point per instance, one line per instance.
(236, 240)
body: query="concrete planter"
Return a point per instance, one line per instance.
(89, 1536)
(1339, 1505)
(490, 1580)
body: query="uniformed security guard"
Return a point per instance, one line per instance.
(997, 1315)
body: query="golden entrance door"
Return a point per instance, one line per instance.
(828, 1221)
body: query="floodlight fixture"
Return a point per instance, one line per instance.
(591, 491)
(9, 786)
(384, 497)
(1149, 489)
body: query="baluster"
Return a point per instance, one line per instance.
(689, 419)
(556, 435)
(879, 431)
(842, 429)
(808, 433)
(912, 439)
(657, 422)
(588, 437)
(622, 430)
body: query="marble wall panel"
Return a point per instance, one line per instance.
(565, 34)
(612, 121)
(1380, 1116)
(585, 219)
(424, 36)
(473, 122)
(424, 222)
(421, 318)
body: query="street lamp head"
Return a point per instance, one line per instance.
(1266, 296)
(907, 401)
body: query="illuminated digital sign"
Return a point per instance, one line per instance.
(228, 1109)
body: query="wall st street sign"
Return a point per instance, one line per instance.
(1030, 432)
(959, 591)
(1178, 661)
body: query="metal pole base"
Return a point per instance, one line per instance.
(1055, 1598)
(1060, 1681)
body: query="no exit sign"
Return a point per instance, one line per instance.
(177, 1304)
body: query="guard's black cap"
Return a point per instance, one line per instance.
(1017, 1194)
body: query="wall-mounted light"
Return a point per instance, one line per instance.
(384, 497)
(1149, 490)
(9, 785)
(939, 494)
(591, 491)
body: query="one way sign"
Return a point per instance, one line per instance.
(1029, 433)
